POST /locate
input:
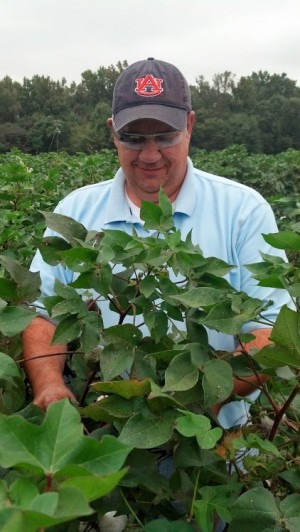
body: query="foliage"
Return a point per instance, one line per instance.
(260, 111)
(149, 446)
(143, 440)
(30, 184)
(58, 470)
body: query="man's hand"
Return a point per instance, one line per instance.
(52, 393)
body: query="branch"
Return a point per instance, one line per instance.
(59, 353)
(282, 411)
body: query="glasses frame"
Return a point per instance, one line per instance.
(136, 141)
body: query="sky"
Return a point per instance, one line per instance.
(63, 38)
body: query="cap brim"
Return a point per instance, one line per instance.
(174, 117)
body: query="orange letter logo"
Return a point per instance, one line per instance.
(148, 86)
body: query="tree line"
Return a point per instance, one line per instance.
(260, 111)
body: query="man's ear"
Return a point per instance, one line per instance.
(109, 123)
(190, 121)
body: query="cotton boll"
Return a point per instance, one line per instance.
(110, 523)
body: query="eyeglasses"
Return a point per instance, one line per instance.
(135, 141)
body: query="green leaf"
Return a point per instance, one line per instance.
(197, 425)
(67, 227)
(256, 442)
(98, 279)
(65, 291)
(148, 285)
(69, 306)
(190, 424)
(50, 248)
(163, 525)
(288, 240)
(196, 331)
(94, 486)
(22, 491)
(8, 368)
(12, 520)
(8, 289)
(294, 290)
(90, 336)
(157, 323)
(56, 443)
(155, 218)
(217, 267)
(114, 238)
(50, 301)
(181, 374)
(127, 388)
(217, 381)
(285, 334)
(28, 283)
(118, 354)
(126, 333)
(79, 259)
(12, 386)
(290, 507)
(286, 330)
(200, 297)
(67, 330)
(109, 408)
(14, 320)
(22, 442)
(165, 203)
(222, 318)
(46, 503)
(292, 476)
(254, 510)
(215, 500)
(273, 356)
(208, 439)
(116, 359)
(146, 432)
(52, 508)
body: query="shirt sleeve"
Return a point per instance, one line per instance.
(249, 246)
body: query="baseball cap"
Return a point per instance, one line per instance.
(151, 89)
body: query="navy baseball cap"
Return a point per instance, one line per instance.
(151, 89)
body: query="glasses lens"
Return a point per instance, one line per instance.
(161, 140)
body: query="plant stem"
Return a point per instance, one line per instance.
(262, 385)
(194, 495)
(131, 510)
(280, 414)
(59, 353)
(49, 480)
(87, 385)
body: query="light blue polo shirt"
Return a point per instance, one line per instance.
(226, 219)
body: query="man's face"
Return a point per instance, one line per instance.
(150, 168)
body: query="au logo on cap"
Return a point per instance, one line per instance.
(149, 86)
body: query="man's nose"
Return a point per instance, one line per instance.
(149, 152)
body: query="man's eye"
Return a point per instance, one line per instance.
(135, 140)
(163, 138)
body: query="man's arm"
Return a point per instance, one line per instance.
(45, 373)
(245, 386)
(249, 384)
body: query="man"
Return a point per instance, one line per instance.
(152, 122)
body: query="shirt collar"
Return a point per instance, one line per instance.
(118, 209)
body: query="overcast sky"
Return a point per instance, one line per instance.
(63, 38)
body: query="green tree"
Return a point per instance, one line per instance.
(47, 134)
(10, 105)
